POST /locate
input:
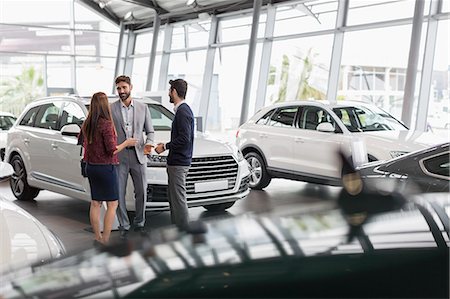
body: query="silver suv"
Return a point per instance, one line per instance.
(42, 148)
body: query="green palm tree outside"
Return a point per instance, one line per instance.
(18, 91)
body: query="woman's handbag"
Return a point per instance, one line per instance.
(83, 168)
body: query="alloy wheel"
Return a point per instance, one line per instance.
(255, 171)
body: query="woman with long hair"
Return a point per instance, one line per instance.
(100, 155)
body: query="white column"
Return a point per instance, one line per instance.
(164, 69)
(208, 73)
(265, 58)
(427, 68)
(411, 72)
(338, 43)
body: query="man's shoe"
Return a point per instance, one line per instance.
(141, 230)
(124, 234)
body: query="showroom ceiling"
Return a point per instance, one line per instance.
(138, 14)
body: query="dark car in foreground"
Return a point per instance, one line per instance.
(426, 170)
(373, 252)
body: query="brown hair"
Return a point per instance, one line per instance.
(99, 108)
(180, 86)
(123, 78)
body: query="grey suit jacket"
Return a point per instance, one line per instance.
(142, 123)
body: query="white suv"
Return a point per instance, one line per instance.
(42, 148)
(300, 140)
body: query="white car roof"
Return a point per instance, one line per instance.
(320, 103)
(86, 99)
(6, 114)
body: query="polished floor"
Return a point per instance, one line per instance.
(68, 218)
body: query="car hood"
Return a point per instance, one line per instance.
(204, 145)
(24, 240)
(407, 141)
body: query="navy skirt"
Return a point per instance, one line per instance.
(103, 180)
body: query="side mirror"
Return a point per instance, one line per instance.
(6, 171)
(325, 127)
(70, 130)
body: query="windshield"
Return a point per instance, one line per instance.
(364, 119)
(6, 122)
(161, 117)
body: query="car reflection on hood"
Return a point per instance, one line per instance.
(397, 253)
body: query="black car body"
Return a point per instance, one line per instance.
(426, 170)
(401, 253)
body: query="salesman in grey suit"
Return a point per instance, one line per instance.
(131, 118)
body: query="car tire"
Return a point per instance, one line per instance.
(218, 207)
(18, 182)
(259, 177)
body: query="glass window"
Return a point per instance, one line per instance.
(198, 35)
(6, 122)
(91, 77)
(161, 117)
(439, 165)
(445, 6)
(311, 116)
(299, 69)
(234, 29)
(36, 12)
(17, 38)
(29, 118)
(439, 105)
(305, 17)
(373, 66)
(95, 35)
(283, 117)
(72, 114)
(369, 11)
(190, 67)
(363, 119)
(227, 88)
(47, 117)
(143, 43)
(139, 76)
(263, 120)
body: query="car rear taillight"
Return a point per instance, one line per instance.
(237, 133)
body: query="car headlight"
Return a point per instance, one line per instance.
(156, 161)
(395, 154)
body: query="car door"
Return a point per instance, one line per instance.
(275, 138)
(66, 150)
(316, 153)
(38, 141)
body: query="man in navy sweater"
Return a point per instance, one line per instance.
(180, 149)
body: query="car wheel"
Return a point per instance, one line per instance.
(219, 206)
(18, 182)
(259, 178)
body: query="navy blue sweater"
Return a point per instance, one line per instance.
(181, 137)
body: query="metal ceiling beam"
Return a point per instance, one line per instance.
(150, 4)
(105, 12)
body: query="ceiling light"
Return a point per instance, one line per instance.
(203, 16)
(192, 3)
(103, 3)
(128, 15)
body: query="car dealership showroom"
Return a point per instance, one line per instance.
(224, 148)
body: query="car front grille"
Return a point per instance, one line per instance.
(209, 169)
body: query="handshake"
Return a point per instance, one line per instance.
(158, 149)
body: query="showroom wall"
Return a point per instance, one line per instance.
(43, 49)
